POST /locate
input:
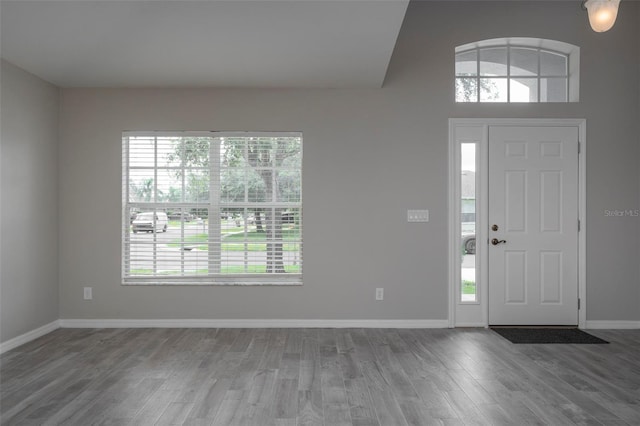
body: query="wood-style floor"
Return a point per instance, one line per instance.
(330, 377)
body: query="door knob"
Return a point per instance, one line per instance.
(496, 241)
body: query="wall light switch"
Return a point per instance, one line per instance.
(88, 293)
(417, 215)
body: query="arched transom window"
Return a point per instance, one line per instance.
(517, 70)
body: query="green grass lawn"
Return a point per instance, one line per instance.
(256, 247)
(234, 269)
(235, 230)
(197, 239)
(468, 287)
(239, 240)
(256, 269)
(288, 234)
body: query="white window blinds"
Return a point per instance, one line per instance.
(212, 208)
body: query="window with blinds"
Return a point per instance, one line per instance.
(212, 208)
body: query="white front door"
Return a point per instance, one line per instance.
(533, 222)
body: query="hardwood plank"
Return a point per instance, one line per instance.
(310, 408)
(231, 409)
(471, 387)
(417, 414)
(289, 366)
(276, 341)
(459, 401)
(310, 348)
(138, 396)
(434, 399)
(294, 340)
(309, 375)
(337, 414)
(549, 414)
(360, 402)
(175, 414)
(210, 398)
(333, 391)
(349, 365)
(286, 399)
(150, 413)
(310, 400)
(263, 388)
(496, 415)
(388, 410)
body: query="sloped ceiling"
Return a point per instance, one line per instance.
(184, 43)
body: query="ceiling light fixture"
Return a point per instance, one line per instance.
(602, 14)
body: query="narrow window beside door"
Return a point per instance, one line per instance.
(468, 290)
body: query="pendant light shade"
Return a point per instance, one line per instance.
(602, 14)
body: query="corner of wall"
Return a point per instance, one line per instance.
(29, 278)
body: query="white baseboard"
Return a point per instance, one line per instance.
(260, 323)
(613, 325)
(249, 323)
(29, 336)
(471, 325)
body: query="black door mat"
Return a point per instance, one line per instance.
(547, 335)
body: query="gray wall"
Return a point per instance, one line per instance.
(369, 155)
(29, 210)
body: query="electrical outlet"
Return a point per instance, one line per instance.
(417, 215)
(88, 293)
(379, 293)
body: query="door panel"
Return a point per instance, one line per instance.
(533, 198)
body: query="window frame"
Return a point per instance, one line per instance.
(214, 205)
(568, 51)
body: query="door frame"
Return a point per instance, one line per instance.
(476, 314)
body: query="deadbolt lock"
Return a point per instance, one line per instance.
(494, 227)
